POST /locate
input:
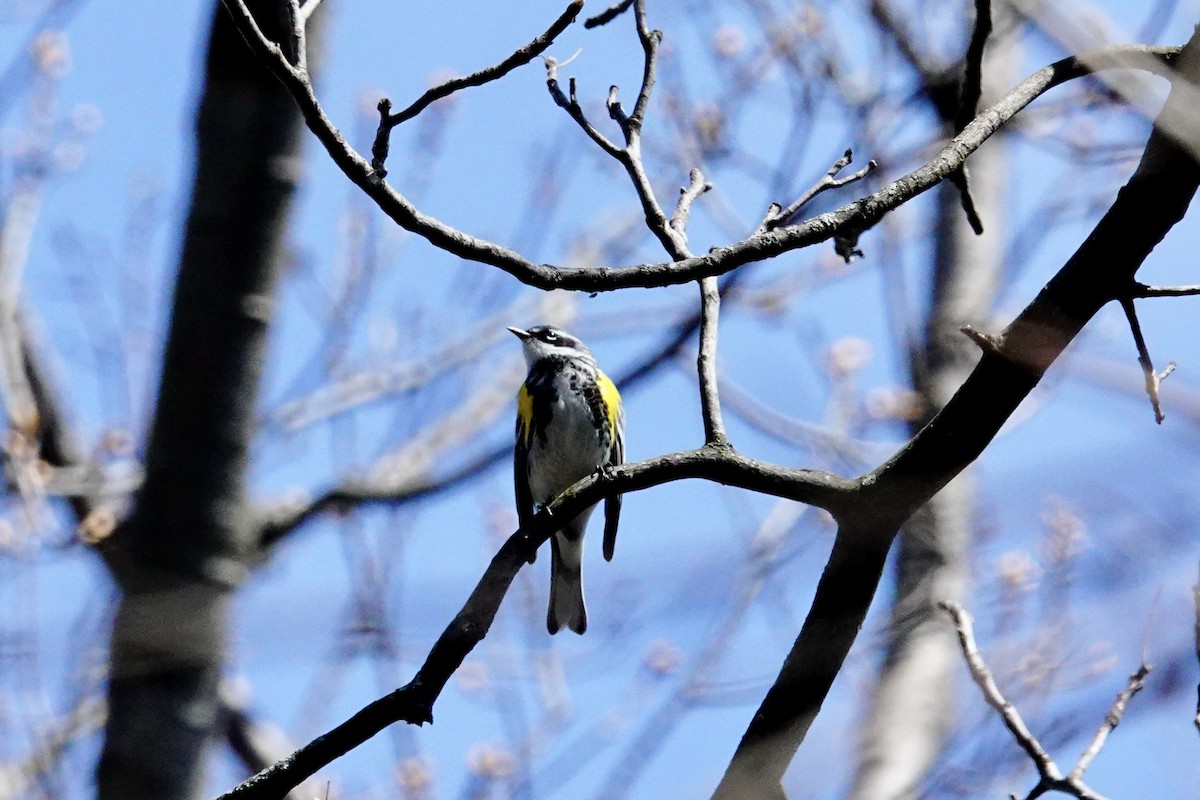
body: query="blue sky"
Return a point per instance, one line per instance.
(97, 284)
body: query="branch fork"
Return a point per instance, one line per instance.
(1050, 777)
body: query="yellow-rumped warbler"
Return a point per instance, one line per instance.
(569, 424)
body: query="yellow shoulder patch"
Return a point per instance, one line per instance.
(524, 414)
(611, 397)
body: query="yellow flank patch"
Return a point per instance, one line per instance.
(611, 397)
(524, 413)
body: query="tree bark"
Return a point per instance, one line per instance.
(1102, 269)
(189, 540)
(910, 712)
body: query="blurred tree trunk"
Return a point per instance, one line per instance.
(187, 545)
(910, 713)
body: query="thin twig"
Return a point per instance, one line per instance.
(650, 39)
(383, 138)
(608, 15)
(1050, 779)
(778, 217)
(858, 216)
(710, 305)
(299, 39)
(972, 85)
(706, 365)
(413, 702)
(972, 89)
(982, 676)
(520, 57)
(571, 105)
(687, 196)
(961, 180)
(1137, 682)
(1153, 377)
(1141, 290)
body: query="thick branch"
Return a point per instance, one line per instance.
(1155, 198)
(414, 702)
(851, 218)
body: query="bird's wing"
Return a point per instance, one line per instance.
(612, 505)
(524, 438)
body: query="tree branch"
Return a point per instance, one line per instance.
(520, 57)
(608, 15)
(1137, 681)
(852, 218)
(1050, 779)
(413, 702)
(706, 364)
(1153, 377)
(972, 88)
(982, 676)
(778, 217)
(1154, 199)
(280, 522)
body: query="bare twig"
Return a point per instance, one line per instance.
(972, 88)
(650, 39)
(972, 85)
(414, 701)
(571, 105)
(520, 57)
(1137, 682)
(1141, 290)
(299, 42)
(856, 216)
(1153, 377)
(1050, 778)
(608, 15)
(706, 365)
(778, 216)
(982, 676)
(962, 181)
(687, 196)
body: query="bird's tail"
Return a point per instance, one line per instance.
(566, 584)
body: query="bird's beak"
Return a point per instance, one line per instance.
(520, 334)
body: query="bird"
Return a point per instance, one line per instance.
(569, 425)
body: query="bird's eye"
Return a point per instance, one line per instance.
(551, 336)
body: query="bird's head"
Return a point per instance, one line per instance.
(541, 341)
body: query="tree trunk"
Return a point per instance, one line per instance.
(911, 711)
(188, 542)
